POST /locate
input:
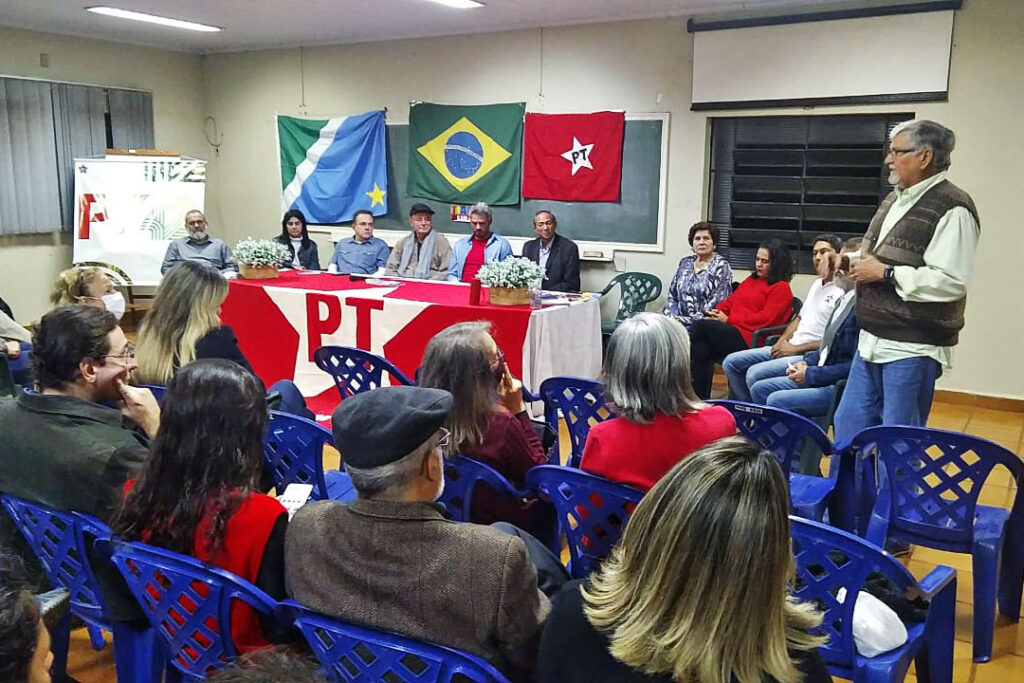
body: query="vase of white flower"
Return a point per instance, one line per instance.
(509, 281)
(259, 259)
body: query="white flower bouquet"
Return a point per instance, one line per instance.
(259, 259)
(512, 273)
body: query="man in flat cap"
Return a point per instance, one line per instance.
(392, 561)
(424, 254)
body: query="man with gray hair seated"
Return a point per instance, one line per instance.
(911, 276)
(483, 246)
(390, 560)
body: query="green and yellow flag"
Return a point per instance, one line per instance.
(467, 154)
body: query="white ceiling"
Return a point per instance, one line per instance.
(260, 24)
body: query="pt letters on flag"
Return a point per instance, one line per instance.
(331, 169)
(467, 154)
(574, 157)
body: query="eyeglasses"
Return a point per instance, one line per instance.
(499, 362)
(126, 355)
(897, 152)
(446, 438)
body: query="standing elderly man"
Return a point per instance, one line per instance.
(911, 277)
(362, 253)
(558, 256)
(424, 254)
(198, 246)
(390, 560)
(483, 246)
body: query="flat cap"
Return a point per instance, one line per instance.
(420, 207)
(381, 426)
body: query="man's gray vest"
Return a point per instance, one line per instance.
(880, 309)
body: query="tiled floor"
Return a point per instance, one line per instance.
(1007, 662)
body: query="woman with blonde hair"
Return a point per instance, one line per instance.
(183, 325)
(88, 286)
(697, 589)
(647, 381)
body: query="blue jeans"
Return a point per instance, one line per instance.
(782, 392)
(745, 368)
(896, 393)
(292, 401)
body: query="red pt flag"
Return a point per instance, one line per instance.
(573, 157)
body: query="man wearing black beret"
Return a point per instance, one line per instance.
(392, 561)
(423, 254)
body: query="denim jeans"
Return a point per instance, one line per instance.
(896, 393)
(746, 368)
(292, 401)
(782, 392)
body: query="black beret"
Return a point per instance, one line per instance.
(420, 207)
(380, 426)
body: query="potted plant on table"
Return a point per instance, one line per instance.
(259, 259)
(510, 280)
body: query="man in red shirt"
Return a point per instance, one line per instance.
(483, 246)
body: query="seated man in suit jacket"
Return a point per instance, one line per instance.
(558, 256)
(808, 385)
(390, 559)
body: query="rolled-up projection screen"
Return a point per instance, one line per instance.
(899, 58)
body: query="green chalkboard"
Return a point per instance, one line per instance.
(632, 220)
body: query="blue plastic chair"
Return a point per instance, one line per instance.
(461, 475)
(355, 371)
(921, 486)
(592, 511)
(581, 402)
(187, 602)
(294, 451)
(60, 541)
(782, 432)
(828, 559)
(358, 653)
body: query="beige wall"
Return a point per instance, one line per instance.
(622, 65)
(627, 65)
(29, 264)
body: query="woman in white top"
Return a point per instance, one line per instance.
(293, 235)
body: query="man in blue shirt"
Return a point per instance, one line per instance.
(483, 246)
(198, 246)
(362, 253)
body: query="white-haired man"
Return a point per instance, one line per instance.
(911, 276)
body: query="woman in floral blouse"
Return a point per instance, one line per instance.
(702, 281)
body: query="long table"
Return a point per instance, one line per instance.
(282, 321)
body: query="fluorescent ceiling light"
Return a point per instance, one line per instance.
(459, 4)
(153, 19)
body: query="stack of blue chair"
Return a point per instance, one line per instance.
(920, 485)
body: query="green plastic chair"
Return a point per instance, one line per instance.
(637, 290)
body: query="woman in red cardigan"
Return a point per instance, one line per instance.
(762, 300)
(488, 421)
(196, 494)
(661, 421)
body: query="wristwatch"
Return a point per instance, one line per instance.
(889, 273)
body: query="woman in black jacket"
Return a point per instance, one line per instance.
(295, 237)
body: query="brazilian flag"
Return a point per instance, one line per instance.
(467, 154)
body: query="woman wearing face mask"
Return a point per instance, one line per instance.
(295, 237)
(89, 287)
(488, 421)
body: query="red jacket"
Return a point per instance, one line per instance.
(510, 445)
(756, 304)
(241, 553)
(640, 454)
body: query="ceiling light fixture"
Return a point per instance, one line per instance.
(459, 4)
(153, 19)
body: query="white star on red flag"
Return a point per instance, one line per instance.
(579, 156)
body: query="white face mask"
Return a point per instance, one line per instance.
(114, 303)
